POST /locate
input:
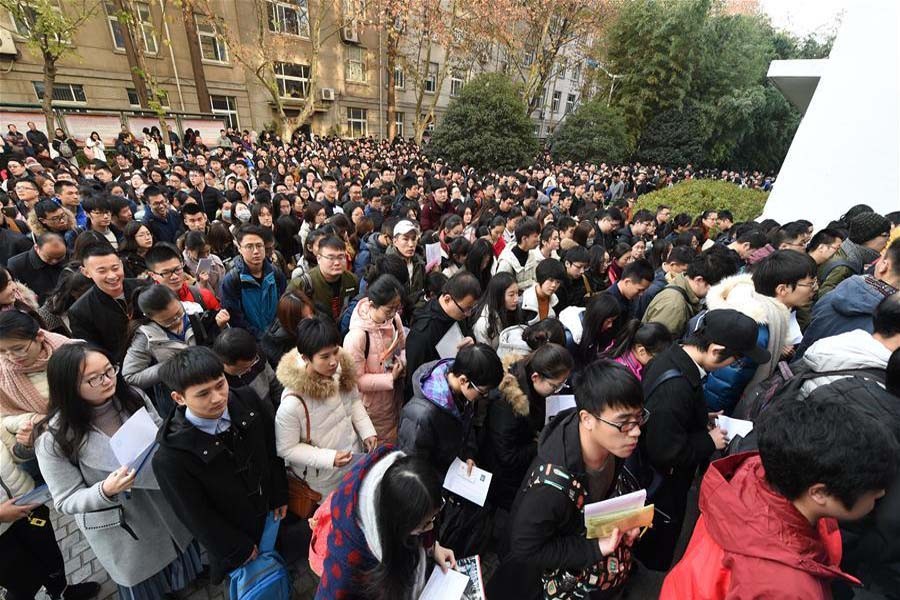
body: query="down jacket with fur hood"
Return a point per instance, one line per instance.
(338, 420)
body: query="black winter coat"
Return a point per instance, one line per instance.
(429, 325)
(223, 494)
(98, 318)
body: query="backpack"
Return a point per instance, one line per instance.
(265, 577)
(855, 266)
(197, 296)
(639, 463)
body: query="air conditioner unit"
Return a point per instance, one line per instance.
(328, 94)
(349, 34)
(7, 45)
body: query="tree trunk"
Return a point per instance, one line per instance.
(131, 52)
(47, 100)
(391, 100)
(190, 29)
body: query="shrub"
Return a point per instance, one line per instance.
(593, 133)
(695, 196)
(486, 127)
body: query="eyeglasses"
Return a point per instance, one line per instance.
(814, 285)
(249, 368)
(58, 219)
(558, 387)
(108, 375)
(173, 321)
(169, 272)
(333, 259)
(465, 311)
(18, 351)
(481, 393)
(254, 247)
(628, 425)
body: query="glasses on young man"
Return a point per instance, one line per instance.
(169, 272)
(627, 426)
(465, 311)
(481, 393)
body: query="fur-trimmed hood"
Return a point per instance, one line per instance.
(292, 374)
(737, 292)
(511, 390)
(38, 228)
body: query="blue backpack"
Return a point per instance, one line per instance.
(266, 577)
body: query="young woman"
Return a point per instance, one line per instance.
(95, 145)
(320, 393)
(221, 243)
(313, 216)
(499, 309)
(136, 242)
(196, 249)
(620, 257)
(383, 530)
(133, 531)
(281, 336)
(516, 415)
(549, 244)
(600, 326)
(597, 277)
(480, 261)
(457, 252)
(243, 189)
(71, 285)
(637, 344)
(261, 214)
(16, 296)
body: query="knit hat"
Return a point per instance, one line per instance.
(868, 226)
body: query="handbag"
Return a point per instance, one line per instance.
(265, 577)
(302, 499)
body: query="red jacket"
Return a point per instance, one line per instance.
(432, 212)
(209, 299)
(751, 543)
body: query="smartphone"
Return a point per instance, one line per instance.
(204, 265)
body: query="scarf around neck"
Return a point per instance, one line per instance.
(17, 394)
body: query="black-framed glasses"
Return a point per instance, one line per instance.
(169, 272)
(557, 388)
(627, 426)
(481, 393)
(109, 374)
(465, 311)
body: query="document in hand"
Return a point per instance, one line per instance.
(39, 495)
(432, 255)
(474, 487)
(624, 512)
(445, 586)
(557, 404)
(135, 440)
(471, 566)
(733, 427)
(447, 347)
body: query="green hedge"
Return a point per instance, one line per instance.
(695, 196)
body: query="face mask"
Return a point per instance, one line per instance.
(243, 215)
(226, 214)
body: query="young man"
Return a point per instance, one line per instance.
(252, 288)
(329, 284)
(216, 463)
(636, 277)
(101, 316)
(67, 197)
(455, 304)
(162, 220)
(675, 263)
(540, 300)
(194, 218)
(40, 267)
(435, 207)
(679, 438)
(406, 236)
(640, 224)
(573, 291)
(769, 522)
(208, 198)
(50, 217)
(824, 245)
(372, 246)
(679, 301)
(724, 223)
(99, 211)
(166, 268)
(609, 221)
(245, 366)
(588, 444)
(518, 259)
(744, 244)
(868, 235)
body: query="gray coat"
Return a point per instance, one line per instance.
(149, 350)
(76, 491)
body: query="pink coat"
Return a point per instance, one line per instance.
(628, 361)
(380, 395)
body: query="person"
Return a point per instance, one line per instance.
(383, 530)
(245, 366)
(406, 236)
(168, 326)
(95, 144)
(637, 343)
(208, 197)
(824, 245)
(162, 219)
(281, 336)
(497, 310)
(376, 343)
(868, 234)
(437, 424)
(539, 301)
(101, 315)
(640, 224)
(196, 248)
(372, 246)
(136, 243)
(50, 217)
(518, 259)
(166, 268)
(671, 262)
(575, 289)
(32, 557)
(516, 414)
(636, 277)
(99, 211)
(137, 536)
(216, 462)
(320, 393)
(678, 439)
(456, 303)
(251, 289)
(39, 268)
(678, 302)
(817, 463)
(67, 197)
(587, 445)
(329, 284)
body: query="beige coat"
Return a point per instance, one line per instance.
(13, 480)
(338, 420)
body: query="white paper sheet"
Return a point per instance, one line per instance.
(135, 439)
(472, 487)
(444, 586)
(448, 346)
(557, 404)
(617, 504)
(432, 255)
(733, 427)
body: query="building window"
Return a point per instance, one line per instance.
(62, 92)
(292, 80)
(528, 58)
(575, 73)
(356, 64)
(357, 122)
(289, 18)
(226, 106)
(429, 129)
(135, 102)
(570, 103)
(398, 121)
(554, 104)
(431, 78)
(399, 78)
(115, 28)
(456, 82)
(146, 24)
(212, 46)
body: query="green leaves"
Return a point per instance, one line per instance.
(695, 196)
(593, 133)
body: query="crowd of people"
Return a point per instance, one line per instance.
(281, 310)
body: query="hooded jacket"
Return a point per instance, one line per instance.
(433, 425)
(855, 349)
(337, 420)
(507, 262)
(373, 348)
(69, 235)
(252, 304)
(670, 307)
(369, 251)
(771, 551)
(850, 306)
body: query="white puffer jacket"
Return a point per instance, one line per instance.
(338, 420)
(13, 480)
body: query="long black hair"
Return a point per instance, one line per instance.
(652, 336)
(64, 371)
(593, 339)
(494, 299)
(481, 250)
(409, 493)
